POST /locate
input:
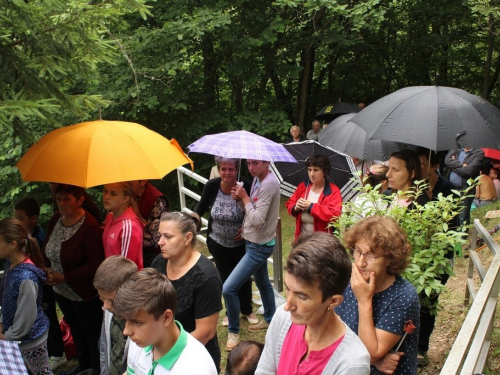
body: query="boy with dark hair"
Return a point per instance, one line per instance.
(160, 345)
(110, 275)
(27, 211)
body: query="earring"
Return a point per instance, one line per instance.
(328, 309)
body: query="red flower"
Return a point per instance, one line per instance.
(409, 327)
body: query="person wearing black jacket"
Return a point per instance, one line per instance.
(464, 164)
(225, 218)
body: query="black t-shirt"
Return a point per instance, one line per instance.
(199, 294)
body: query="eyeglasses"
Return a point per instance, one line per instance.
(369, 257)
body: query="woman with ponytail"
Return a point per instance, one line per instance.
(21, 286)
(123, 228)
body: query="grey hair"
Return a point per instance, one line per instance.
(294, 126)
(219, 160)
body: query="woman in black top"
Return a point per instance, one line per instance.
(195, 279)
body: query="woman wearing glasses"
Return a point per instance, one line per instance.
(378, 302)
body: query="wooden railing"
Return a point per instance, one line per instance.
(469, 353)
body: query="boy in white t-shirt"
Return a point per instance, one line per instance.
(160, 345)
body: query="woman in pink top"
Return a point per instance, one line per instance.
(123, 228)
(306, 336)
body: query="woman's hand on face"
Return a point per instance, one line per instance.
(55, 278)
(363, 290)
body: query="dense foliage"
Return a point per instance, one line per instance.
(188, 68)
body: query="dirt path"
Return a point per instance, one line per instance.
(449, 321)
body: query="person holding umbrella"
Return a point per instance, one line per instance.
(224, 227)
(316, 201)
(259, 231)
(463, 164)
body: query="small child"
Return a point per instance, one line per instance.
(22, 286)
(27, 211)
(494, 174)
(123, 228)
(110, 275)
(160, 345)
(244, 357)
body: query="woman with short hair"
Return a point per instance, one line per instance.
(306, 336)
(224, 239)
(378, 301)
(316, 201)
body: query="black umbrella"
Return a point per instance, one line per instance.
(349, 138)
(332, 111)
(436, 117)
(291, 175)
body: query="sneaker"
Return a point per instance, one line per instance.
(233, 339)
(422, 359)
(225, 322)
(252, 319)
(55, 362)
(259, 326)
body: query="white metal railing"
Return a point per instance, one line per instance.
(469, 353)
(276, 260)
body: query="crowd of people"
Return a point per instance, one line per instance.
(140, 298)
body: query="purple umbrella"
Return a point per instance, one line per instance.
(241, 144)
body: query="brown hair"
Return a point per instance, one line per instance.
(244, 357)
(319, 161)
(147, 289)
(319, 258)
(385, 238)
(73, 190)
(13, 230)
(185, 223)
(113, 272)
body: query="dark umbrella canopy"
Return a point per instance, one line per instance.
(436, 117)
(291, 175)
(332, 111)
(349, 138)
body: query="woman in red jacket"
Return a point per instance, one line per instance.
(316, 201)
(123, 228)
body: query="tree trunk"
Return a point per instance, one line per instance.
(210, 71)
(489, 56)
(305, 83)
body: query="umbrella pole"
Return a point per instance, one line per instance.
(429, 165)
(239, 171)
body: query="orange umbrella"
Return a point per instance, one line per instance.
(101, 152)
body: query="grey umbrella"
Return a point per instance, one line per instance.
(436, 117)
(349, 138)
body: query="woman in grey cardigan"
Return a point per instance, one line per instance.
(306, 332)
(261, 208)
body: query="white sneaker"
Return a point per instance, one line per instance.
(55, 362)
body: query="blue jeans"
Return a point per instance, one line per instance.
(253, 263)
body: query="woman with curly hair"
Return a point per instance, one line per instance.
(377, 301)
